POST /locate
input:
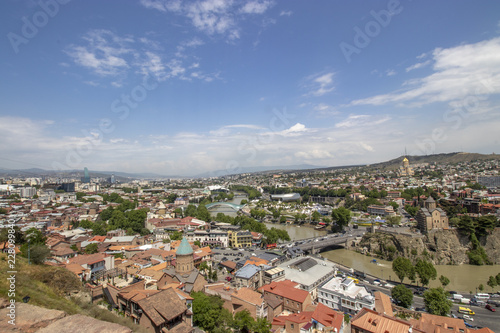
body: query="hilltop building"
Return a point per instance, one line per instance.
(430, 217)
(405, 169)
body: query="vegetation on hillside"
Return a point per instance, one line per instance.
(50, 287)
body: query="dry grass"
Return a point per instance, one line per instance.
(49, 287)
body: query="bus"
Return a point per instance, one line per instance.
(482, 297)
(271, 246)
(465, 310)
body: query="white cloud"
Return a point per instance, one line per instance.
(323, 110)
(320, 84)
(390, 72)
(461, 71)
(104, 53)
(256, 7)
(362, 120)
(286, 13)
(357, 139)
(213, 17)
(418, 65)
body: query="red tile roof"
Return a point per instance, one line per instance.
(286, 289)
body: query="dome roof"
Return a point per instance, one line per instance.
(405, 160)
(184, 248)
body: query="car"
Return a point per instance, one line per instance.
(376, 282)
(469, 318)
(489, 307)
(422, 309)
(452, 292)
(453, 315)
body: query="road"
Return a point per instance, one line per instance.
(483, 317)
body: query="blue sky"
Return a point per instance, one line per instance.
(185, 87)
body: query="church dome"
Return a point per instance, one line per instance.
(184, 248)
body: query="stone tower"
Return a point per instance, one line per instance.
(430, 204)
(184, 258)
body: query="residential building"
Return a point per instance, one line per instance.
(252, 301)
(344, 295)
(294, 300)
(316, 318)
(240, 239)
(157, 310)
(369, 321)
(212, 237)
(248, 276)
(380, 210)
(308, 272)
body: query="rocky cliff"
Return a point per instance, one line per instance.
(30, 318)
(442, 247)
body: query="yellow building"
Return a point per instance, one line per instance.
(239, 239)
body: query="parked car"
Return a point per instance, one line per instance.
(422, 309)
(469, 318)
(489, 307)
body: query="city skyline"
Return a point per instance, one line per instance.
(178, 88)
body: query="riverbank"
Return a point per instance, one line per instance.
(463, 278)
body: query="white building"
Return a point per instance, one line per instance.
(342, 294)
(308, 272)
(214, 237)
(27, 192)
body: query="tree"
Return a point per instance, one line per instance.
(243, 321)
(342, 216)
(394, 220)
(171, 198)
(316, 216)
(436, 301)
(39, 253)
(176, 235)
(91, 248)
(425, 271)
(444, 281)
(402, 295)
(18, 235)
(492, 282)
(411, 210)
(209, 314)
(466, 225)
(394, 204)
(403, 268)
(190, 211)
(480, 287)
(497, 277)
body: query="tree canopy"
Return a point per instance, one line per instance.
(402, 295)
(425, 271)
(341, 217)
(403, 268)
(436, 301)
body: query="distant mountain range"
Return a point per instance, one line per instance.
(124, 176)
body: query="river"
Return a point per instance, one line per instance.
(463, 278)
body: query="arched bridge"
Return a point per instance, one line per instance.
(224, 204)
(312, 246)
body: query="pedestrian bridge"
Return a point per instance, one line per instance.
(233, 206)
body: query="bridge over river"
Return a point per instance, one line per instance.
(316, 244)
